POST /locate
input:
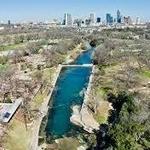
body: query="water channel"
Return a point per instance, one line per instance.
(69, 89)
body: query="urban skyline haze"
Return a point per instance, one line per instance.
(45, 10)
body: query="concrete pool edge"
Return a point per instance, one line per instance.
(81, 115)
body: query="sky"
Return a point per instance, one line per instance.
(46, 10)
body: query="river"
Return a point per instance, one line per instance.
(69, 89)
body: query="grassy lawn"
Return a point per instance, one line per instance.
(68, 144)
(102, 112)
(18, 137)
(101, 91)
(38, 99)
(100, 119)
(3, 67)
(47, 74)
(103, 107)
(145, 73)
(11, 47)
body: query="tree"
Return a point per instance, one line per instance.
(33, 47)
(16, 57)
(101, 56)
(6, 80)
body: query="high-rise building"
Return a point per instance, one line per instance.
(118, 16)
(138, 21)
(92, 18)
(109, 19)
(98, 20)
(9, 23)
(67, 20)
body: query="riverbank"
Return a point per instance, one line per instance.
(74, 54)
(82, 116)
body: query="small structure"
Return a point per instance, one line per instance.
(7, 110)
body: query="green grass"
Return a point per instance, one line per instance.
(47, 74)
(18, 137)
(68, 144)
(11, 47)
(146, 73)
(38, 99)
(103, 90)
(3, 67)
(100, 119)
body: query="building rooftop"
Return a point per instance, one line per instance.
(7, 110)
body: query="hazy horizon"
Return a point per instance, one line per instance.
(46, 10)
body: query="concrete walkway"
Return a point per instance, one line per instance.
(43, 111)
(84, 65)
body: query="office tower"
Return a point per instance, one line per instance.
(92, 18)
(118, 16)
(67, 19)
(109, 19)
(98, 20)
(9, 23)
(138, 21)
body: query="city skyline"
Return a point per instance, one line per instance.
(36, 10)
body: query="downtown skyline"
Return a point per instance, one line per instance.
(37, 10)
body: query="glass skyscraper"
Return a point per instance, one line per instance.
(109, 18)
(68, 19)
(118, 16)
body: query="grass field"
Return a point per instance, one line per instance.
(11, 47)
(18, 137)
(146, 73)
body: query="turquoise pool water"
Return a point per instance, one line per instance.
(68, 92)
(85, 57)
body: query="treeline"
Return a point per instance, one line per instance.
(50, 52)
(128, 128)
(29, 35)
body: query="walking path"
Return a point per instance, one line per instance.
(43, 111)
